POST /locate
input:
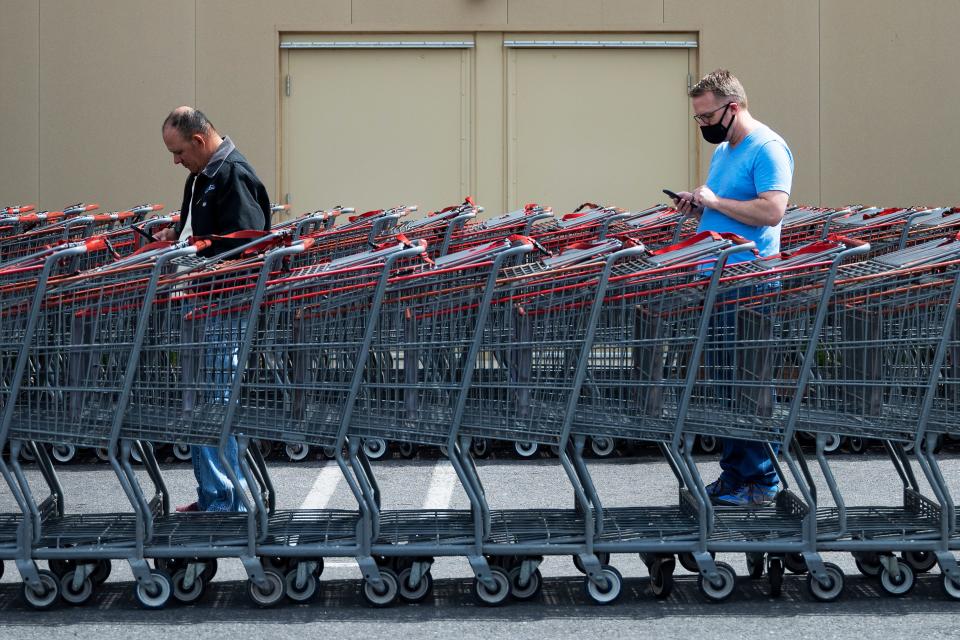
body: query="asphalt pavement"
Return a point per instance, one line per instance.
(563, 610)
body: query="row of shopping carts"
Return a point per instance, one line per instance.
(446, 330)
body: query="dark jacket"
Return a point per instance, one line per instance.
(228, 197)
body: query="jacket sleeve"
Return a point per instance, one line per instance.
(239, 205)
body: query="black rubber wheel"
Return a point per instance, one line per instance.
(950, 588)
(687, 562)
(184, 595)
(302, 593)
(868, 564)
(719, 593)
(375, 448)
(48, 596)
(79, 596)
(609, 593)
(268, 595)
(388, 592)
(857, 445)
(831, 591)
(496, 596)
(708, 444)
(101, 572)
(775, 576)
(528, 591)
(900, 584)
(795, 563)
(418, 592)
(602, 447)
(182, 452)
(526, 450)
(919, 561)
(157, 595)
(661, 577)
(480, 448)
(755, 565)
(408, 450)
(297, 451)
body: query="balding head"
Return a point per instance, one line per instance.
(188, 121)
(190, 137)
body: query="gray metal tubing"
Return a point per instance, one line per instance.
(711, 296)
(810, 353)
(307, 221)
(931, 470)
(606, 222)
(832, 485)
(830, 219)
(381, 224)
(902, 244)
(365, 485)
(679, 227)
(363, 522)
(586, 481)
(472, 476)
(452, 226)
(86, 222)
(671, 462)
(691, 476)
(808, 491)
(528, 227)
(153, 471)
(801, 460)
(368, 474)
(258, 463)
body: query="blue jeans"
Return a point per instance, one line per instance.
(742, 461)
(221, 341)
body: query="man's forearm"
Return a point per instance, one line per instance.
(757, 212)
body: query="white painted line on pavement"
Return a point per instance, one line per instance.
(323, 488)
(442, 483)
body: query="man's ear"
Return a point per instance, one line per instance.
(197, 139)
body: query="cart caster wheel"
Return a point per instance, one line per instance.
(265, 447)
(330, 452)
(602, 556)
(496, 596)
(101, 572)
(609, 593)
(387, 594)
(301, 594)
(857, 445)
(708, 444)
(60, 567)
(102, 454)
(919, 561)
(868, 564)
(26, 454)
(795, 563)
(602, 447)
(408, 450)
(415, 593)
(775, 575)
(718, 593)
(661, 577)
(156, 595)
(182, 452)
(210, 567)
(687, 562)
(375, 448)
(1, 569)
(951, 588)
(526, 449)
(135, 453)
(898, 585)
(48, 596)
(830, 592)
(755, 565)
(75, 597)
(63, 453)
(269, 594)
(528, 591)
(184, 595)
(833, 443)
(480, 448)
(297, 451)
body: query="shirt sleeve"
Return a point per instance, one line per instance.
(239, 205)
(773, 168)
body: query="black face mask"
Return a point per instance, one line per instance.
(717, 133)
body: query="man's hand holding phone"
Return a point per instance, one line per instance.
(684, 202)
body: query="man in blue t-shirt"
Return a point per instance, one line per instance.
(746, 193)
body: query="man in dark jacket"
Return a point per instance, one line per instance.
(221, 195)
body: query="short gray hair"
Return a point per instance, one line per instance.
(722, 84)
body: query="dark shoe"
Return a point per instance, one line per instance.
(750, 495)
(720, 487)
(187, 508)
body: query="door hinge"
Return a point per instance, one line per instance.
(689, 83)
(286, 199)
(287, 85)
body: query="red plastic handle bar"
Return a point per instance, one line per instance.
(703, 235)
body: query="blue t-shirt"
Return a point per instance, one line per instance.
(760, 162)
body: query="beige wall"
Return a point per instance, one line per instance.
(857, 87)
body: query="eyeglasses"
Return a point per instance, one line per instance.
(707, 118)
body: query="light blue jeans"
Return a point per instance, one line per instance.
(221, 340)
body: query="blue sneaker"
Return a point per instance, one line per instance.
(749, 495)
(719, 487)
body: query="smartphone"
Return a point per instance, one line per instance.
(672, 195)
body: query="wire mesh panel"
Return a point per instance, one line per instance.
(877, 352)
